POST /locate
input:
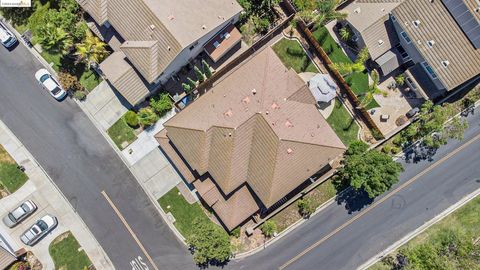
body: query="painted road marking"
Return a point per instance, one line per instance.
(326, 237)
(138, 264)
(120, 216)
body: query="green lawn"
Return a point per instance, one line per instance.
(290, 215)
(293, 56)
(183, 212)
(121, 133)
(65, 254)
(449, 241)
(11, 177)
(90, 79)
(343, 124)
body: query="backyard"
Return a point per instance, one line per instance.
(343, 124)
(121, 133)
(293, 56)
(290, 214)
(67, 254)
(183, 212)
(358, 81)
(11, 177)
(452, 243)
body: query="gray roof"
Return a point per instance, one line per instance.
(389, 61)
(363, 13)
(380, 37)
(323, 88)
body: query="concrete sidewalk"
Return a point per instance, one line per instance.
(49, 200)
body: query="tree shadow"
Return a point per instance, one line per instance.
(68, 63)
(354, 200)
(352, 122)
(420, 152)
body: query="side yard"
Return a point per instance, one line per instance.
(453, 243)
(293, 56)
(11, 176)
(67, 253)
(343, 123)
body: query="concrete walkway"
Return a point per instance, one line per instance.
(49, 199)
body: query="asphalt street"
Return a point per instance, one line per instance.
(82, 164)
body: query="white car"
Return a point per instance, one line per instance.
(39, 229)
(48, 82)
(20, 213)
(7, 38)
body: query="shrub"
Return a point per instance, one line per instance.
(20, 266)
(386, 149)
(131, 118)
(69, 82)
(161, 104)
(400, 79)
(209, 243)
(80, 95)
(206, 69)
(398, 140)
(305, 207)
(269, 228)
(395, 150)
(199, 74)
(192, 83)
(235, 232)
(147, 117)
(187, 88)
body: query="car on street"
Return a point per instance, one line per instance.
(7, 38)
(48, 82)
(38, 230)
(20, 213)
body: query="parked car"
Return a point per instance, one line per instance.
(38, 230)
(411, 113)
(7, 38)
(20, 213)
(48, 82)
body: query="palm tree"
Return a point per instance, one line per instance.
(345, 34)
(357, 66)
(54, 38)
(323, 13)
(372, 89)
(92, 50)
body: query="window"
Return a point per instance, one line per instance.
(403, 53)
(406, 37)
(393, 17)
(429, 70)
(193, 45)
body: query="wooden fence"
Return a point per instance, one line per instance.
(343, 85)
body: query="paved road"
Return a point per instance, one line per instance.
(82, 164)
(444, 183)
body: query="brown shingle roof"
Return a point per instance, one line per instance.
(451, 44)
(247, 127)
(6, 258)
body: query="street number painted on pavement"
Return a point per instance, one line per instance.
(138, 264)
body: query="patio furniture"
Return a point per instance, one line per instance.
(384, 117)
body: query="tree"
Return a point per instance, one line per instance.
(199, 74)
(357, 66)
(92, 50)
(400, 79)
(147, 117)
(373, 172)
(322, 12)
(345, 33)
(206, 69)
(209, 243)
(69, 82)
(305, 207)
(269, 228)
(131, 118)
(372, 89)
(187, 88)
(192, 83)
(17, 15)
(161, 104)
(54, 38)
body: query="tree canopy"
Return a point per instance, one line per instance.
(209, 242)
(371, 171)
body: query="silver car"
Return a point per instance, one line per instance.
(20, 213)
(38, 230)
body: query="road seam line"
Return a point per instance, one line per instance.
(386, 197)
(122, 219)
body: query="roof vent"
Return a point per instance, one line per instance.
(152, 26)
(275, 106)
(380, 42)
(357, 10)
(228, 113)
(289, 150)
(246, 100)
(254, 91)
(204, 27)
(445, 63)
(430, 43)
(168, 48)
(288, 124)
(416, 23)
(171, 17)
(266, 112)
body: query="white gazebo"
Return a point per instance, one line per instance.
(323, 88)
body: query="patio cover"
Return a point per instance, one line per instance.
(388, 62)
(124, 78)
(220, 44)
(323, 88)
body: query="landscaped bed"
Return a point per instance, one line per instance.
(121, 133)
(343, 124)
(183, 212)
(11, 177)
(445, 245)
(290, 214)
(357, 81)
(66, 254)
(293, 56)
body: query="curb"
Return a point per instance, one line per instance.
(32, 158)
(420, 229)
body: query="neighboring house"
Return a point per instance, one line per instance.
(252, 140)
(7, 256)
(153, 39)
(435, 42)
